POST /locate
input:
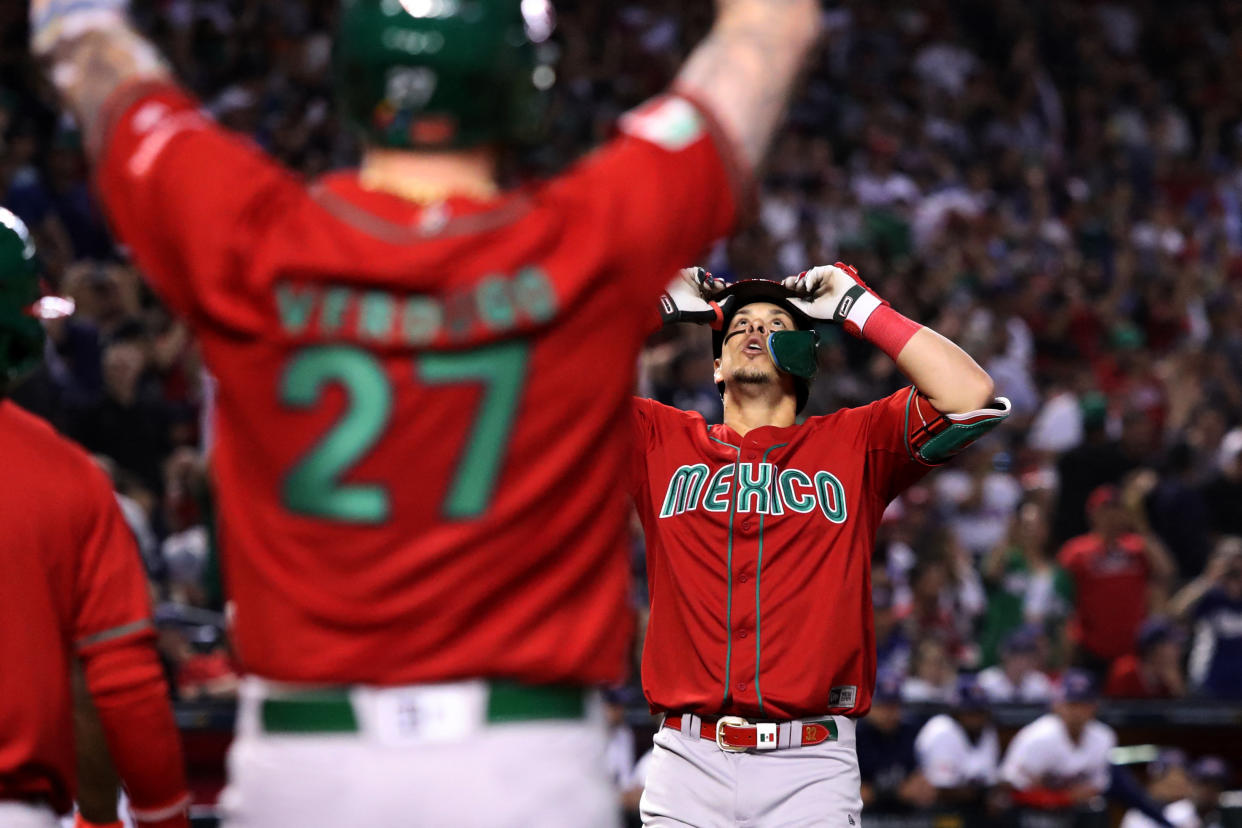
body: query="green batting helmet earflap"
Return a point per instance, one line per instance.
(444, 74)
(21, 335)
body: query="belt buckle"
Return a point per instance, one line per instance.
(732, 721)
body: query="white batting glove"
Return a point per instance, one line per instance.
(835, 293)
(52, 21)
(688, 298)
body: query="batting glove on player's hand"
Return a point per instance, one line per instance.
(688, 298)
(835, 293)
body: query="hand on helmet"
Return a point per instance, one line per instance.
(834, 293)
(688, 298)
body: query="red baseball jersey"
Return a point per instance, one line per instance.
(72, 584)
(1110, 585)
(416, 458)
(759, 557)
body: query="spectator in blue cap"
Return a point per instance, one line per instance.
(1155, 670)
(1017, 678)
(1060, 761)
(959, 752)
(891, 779)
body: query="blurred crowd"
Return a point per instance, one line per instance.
(1056, 186)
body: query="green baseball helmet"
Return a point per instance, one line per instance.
(21, 335)
(22, 303)
(444, 74)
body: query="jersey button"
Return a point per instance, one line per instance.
(741, 685)
(742, 633)
(746, 524)
(743, 578)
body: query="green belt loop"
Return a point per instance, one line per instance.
(509, 701)
(314, 712)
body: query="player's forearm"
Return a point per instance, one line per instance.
(744, 69)
(1188, 596)
(128, 688)
(1159, 558)
(97, 779)
(952, 382)
(91, 52)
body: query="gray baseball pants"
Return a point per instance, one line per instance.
(692, 782)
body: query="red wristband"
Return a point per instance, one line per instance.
(889, 331)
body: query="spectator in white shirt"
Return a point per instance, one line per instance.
(1060, 761)
(1018, 677)
(959, 752)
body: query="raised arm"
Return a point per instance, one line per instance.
(944, 374)
(744, 69)
(91, 52)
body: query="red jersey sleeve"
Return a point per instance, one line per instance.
(642, 433)
(892, 464)
(672, 184)
(190, 199)
(1070, 557)
(114, 638)
(110, 590)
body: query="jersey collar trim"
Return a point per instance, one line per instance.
(341, 197)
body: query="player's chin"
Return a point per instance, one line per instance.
(754, 375)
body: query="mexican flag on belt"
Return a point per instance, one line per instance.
(767, 738)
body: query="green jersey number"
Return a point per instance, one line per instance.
(313, 485)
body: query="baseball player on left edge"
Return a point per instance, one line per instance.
(71, 586)
(760, 648)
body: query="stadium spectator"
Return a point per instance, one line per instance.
(977, 496)
(1201, 807)
(1168, 781)
(933, 676)
(1116, 567)
(1179, 512)
(1224, 491)
(891, 778)
(1212, 604)
(1018, 677)
(892, 644)
(1155, 670)
(1025, 587)
(130, 422)
(1097, 461)
(959, 752)
(1060, 761)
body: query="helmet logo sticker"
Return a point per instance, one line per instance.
(410, 87)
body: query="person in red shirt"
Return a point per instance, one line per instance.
(71, 587)
(1155, 671)
(1114, 567)
(421, 377)
(760, 648)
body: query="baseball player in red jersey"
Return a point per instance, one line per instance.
(420, 380)
(760, 650)
(71, 586)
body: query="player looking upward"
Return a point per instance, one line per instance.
(421, 379)
(71, 586)
(759, 539)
